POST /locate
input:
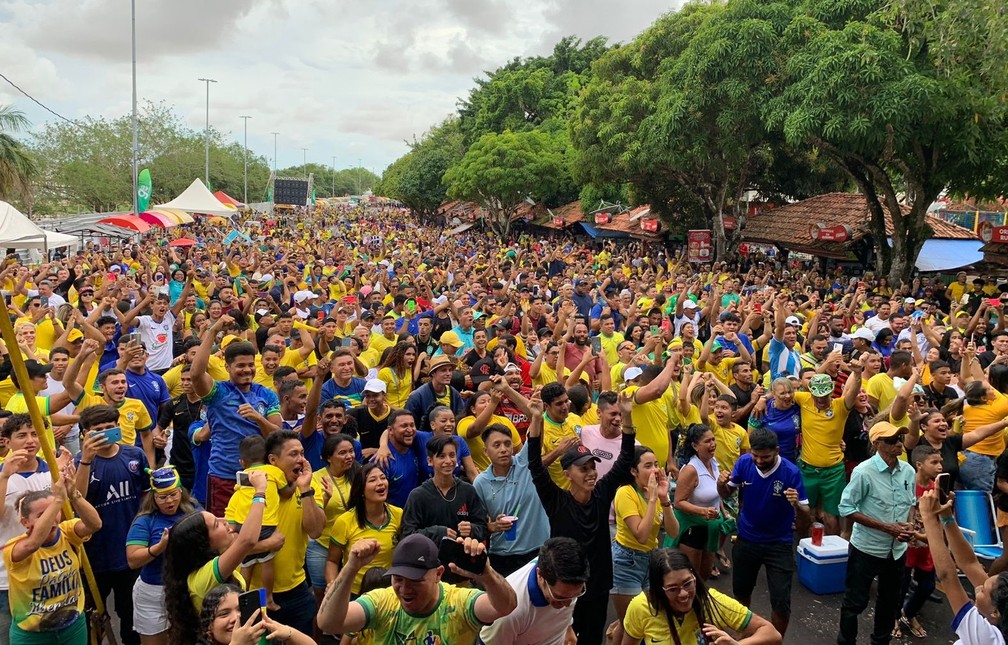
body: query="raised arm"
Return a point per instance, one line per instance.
(202, 382)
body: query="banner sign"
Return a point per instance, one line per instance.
(603, 218)
(823, 233)
(698, 249)
(144, 190)
(990, 233)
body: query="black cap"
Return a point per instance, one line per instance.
(36, 369)
(577, 456)
(413, 557)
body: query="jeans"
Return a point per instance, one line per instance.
(862, 569)
(977, 472)
(121, 584)
(925, 585)
(297, 608)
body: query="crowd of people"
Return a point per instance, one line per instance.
(402, 435)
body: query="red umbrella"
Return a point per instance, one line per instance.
(128, 220)
(182, 241)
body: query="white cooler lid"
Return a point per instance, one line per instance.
(833, 546)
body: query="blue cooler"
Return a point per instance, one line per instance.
(823, 569)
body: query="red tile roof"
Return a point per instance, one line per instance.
(629, 223)
(790, 225)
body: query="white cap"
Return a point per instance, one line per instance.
(375, 385)
(440, 300)
(864, 333)
(792, 320)
(689, 304)
(631, 373)
(909, 300)
(303, 295)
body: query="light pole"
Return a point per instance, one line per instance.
(334, 176)
(207, 81)
(246, 118)
(134, 118)
(304, 163)
(358, 176)
(274, 150)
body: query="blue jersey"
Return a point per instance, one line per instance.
(786, 424)
(420, 445)
(732, 347)
(765, 514)
(783, 361)
(146, 531)
(228, 428)
(201, 463)
(149, 389)
(312, 445)
(115, 488)
(404, 473)
(352, 394)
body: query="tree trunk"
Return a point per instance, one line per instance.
(910, 231)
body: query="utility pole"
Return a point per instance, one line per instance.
(274, 150)
(207, 168)
(245, 119)
(136, 150)
(334, 176)
(304, 163)
(358, 176)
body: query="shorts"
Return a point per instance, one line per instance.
(219, 492)
(315, 559)
(824, 485)
(630, 570)
(149, 615)
(259, 558)
(977, 472)
(695, 537)
(779, 560)
(74, 634)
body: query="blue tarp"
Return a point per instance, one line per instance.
(942, 255)
(597, 232)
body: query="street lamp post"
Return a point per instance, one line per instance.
(274, 150)
(334, 176)
(245, 119)
(304, 163)
(207, 168)
(358, 176)
(134, 118)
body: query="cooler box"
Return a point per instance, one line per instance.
(822, 569)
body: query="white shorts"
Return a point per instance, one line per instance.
(149, 616)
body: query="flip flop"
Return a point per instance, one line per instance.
(714, 574)
(918, 631)
(725, 562)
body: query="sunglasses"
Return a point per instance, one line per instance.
(891, 441)
(675, 590)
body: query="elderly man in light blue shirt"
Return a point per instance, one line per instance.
(878, 501)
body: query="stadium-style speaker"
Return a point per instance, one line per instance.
(292, 192)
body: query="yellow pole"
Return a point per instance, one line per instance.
(47, 442)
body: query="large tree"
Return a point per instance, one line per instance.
(500, 171)
(907, 97)
(17, 169)
(415, 178)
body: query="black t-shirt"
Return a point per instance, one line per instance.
(184, 413)
(369, 429)
(855, 436)
(936, 398)
(950, 450)
(743, 397)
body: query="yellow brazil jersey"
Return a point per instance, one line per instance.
(261, 377)
(590, 416)
(616, 375)
(651, 422)
(882, 388)
(46, 591)
(548, 375)
(732, 441)
(821, 431)
(173, 377)
(241, 501)
(630, 502)
(133, 416)
(370, 357)
(337, 504)
(977, 416)
(553, 434)
(609, 345)
(346, 532)
(397, 389)
(289, 561)
(292, 358)
(453, 620)
(379, 343)
(721, 371)
(202, 580)
(643, 624)
(476, 445)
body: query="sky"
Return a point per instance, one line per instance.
(350, 79)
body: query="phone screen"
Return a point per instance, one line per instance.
(596, 344)
(249, 602)
(941, 484)
(452, 551)
(242, 478)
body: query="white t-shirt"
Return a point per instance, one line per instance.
(605, 449)
(10, 523)
(973, 629)
(158, 337)
(534, 621)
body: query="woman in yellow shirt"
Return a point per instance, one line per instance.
(642, 509)
(397, 371)
(332, 485)
(480, 411)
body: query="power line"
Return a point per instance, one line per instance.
(37, 102)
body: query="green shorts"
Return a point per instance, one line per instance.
(824, 485)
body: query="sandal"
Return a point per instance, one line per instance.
(913, 626)
(714, 574)
(896, 633)
(724, 561)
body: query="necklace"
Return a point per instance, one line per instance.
(453, 490)
(496, 489)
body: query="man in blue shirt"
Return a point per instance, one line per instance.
(772, 492)
(343, 385)
(785, 360)
(144, 386)
(878, 501)
(405, 469)
(236, 408)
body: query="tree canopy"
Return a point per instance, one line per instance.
(17, 168)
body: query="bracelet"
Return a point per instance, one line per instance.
(84, 463)
(259, 500)
(151, 554)
(666, 504)
(308, 493)
(947, 520)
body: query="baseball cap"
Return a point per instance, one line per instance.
(884, 429)
(375, 385)
(716, 346)
(266, 278)
(413, 557)
(36, 369)
(632, 372)
(821, 385)
(303, 295)
(908, 300)
(75, 335)
(793, 321)
(577, 456)
(511, 367)
(451, 338)
(365, 291)
(864, 334)
(689, 304)
(230, 338)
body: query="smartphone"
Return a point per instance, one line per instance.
(243, 478)
(838, 348)
(112, 435)
(350, 300)
(917, 315)
(596, 344)
(45, 301)
(654, 330)
(347, 341)
(249, 602)
(993, 302)
(133, 338)
(452, 551)
(941, 485)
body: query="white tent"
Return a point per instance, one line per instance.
(57, 240)
(17, 231)
(198, 199)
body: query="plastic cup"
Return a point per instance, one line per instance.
(512, 533)
(818, 529)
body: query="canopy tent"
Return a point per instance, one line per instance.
(197, 199)
(57, 240)
(129, 221)
(228, 200)
(945, 255)
(158, 218)
(17, 231)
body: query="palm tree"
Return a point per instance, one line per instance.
(17, 170)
